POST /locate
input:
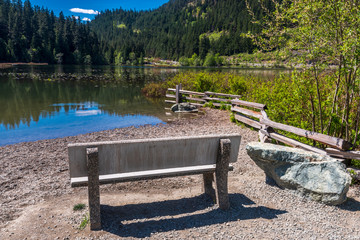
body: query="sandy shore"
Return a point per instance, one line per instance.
(36, 198)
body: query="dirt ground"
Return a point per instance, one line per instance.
(37, 201)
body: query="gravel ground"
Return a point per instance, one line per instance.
(36, 198)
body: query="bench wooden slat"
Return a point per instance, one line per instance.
(142, 175)
(150, 154)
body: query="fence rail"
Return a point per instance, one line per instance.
(254, 115)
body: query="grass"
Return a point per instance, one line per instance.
(79, 207)
(355, 163)
(84, 222)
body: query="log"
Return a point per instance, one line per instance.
(249, 104)
(343, 154)
(170, 101)
(248, 121)
(187, 92)
(246, 112)
(170, 96)
(264, 114)
(197, 104)
(292, 142)
(217, 99)
(194, 99)
(322, 138)
(219, 104)
(223, 94)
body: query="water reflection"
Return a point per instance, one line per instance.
(27, 96)
(56, 101)
(70, 120)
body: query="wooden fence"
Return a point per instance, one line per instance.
(254, 115)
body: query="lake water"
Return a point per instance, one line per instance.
(44, 102)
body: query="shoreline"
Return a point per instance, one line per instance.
(9, 65)
(36, 198)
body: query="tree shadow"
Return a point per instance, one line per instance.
(350, 205)
(177, 215)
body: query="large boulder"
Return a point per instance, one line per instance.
(319, 177)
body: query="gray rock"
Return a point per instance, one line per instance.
(184, 107)
(319, 177)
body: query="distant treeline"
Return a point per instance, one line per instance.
(179, 28)
(33, 34)
(187, 29)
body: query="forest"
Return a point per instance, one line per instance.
(178, 29)
(33, 34)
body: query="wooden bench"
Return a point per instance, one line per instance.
(119, 161)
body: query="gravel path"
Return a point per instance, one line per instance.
(36, 199)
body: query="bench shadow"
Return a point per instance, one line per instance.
(136, 220)
(351, 205)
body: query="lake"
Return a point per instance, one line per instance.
(45, 102)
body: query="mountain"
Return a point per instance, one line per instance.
(177, 28)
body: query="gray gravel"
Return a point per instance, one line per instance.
(37, 172)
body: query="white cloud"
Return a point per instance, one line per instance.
(85, 11)
(86, 19)
(76, 17)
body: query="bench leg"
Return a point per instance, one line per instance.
(208, 186)
(93, 188)
(221, 174)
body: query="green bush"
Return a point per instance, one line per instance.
(79, 206)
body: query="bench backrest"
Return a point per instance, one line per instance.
(150, 154)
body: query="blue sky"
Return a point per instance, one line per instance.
(79, 7)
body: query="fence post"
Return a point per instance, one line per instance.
(177, 94)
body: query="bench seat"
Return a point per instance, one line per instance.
(143, 175)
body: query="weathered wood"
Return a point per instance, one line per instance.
(343, 154)
(217, 99)
(194, 99)
(221, 174)
(264, 114)
(248, 121)
(246, 112)
(197, 104)
(219, 104)
(93, 189)
(146, 175)
(187, 92)
(209, 190)
(223, 95)
(170, 101)
(292, 142)
(170, 96)
(150, 154)
(177, 94)
(325, 139)
(249, 104)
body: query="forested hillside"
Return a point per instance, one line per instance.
(30, 33)
(178, 28)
